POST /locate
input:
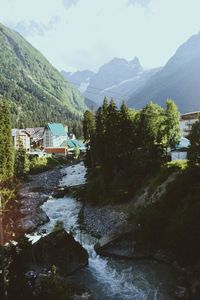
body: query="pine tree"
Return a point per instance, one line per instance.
(88, 125)
(6, 146)
(99, 143)
(21, 166)
(111, 140)
(194, 149)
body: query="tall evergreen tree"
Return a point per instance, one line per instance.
(194, 149)
(88, 125)
(21, 166)
(100, 134)
(6, 146)
(111, 140)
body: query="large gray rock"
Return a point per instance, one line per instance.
(61, 250)
(122, 243)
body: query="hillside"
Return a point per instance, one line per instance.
(37, 91)
(179, 80)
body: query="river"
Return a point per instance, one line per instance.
(107, 278)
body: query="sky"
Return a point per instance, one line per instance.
(84, 34)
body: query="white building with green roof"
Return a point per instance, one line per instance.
(54, 135)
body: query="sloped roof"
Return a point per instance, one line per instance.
(36, 133)
(67, 143)
(57, 129)
(16, 131)
(78, 144)
(184, 143)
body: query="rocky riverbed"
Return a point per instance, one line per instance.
(51, 188)
(33, 193)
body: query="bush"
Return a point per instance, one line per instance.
(42, 164)
(59, 225)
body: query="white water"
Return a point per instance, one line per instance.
(107, 278)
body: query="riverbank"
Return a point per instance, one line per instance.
(166, 193)
(32, 194)
(98, 221)
(34, 191)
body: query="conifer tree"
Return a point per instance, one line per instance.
(100, 134)
(88, 125)
(194, 149)
(21, 166)
(111, 141)
(6, 146)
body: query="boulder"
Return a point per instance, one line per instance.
(31, 221)
(60, 249)
(122, 243)
(61, 192)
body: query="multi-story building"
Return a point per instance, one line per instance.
(21, 137)
(54, 135)
(187, 120)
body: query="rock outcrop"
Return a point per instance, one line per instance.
(60, 249)
(32, 194)
(122, 243)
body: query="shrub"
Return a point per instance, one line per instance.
(59, 225)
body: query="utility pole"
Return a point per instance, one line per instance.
(2, 251)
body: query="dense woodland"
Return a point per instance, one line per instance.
(128, 151)
(127, 146)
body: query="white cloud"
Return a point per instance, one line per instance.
(69, 3)
(90, 32)
(139, 2)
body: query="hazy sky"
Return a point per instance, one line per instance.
(84, 34)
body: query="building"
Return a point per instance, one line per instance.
(181, 149)
(36, 135)
(72, 144)
(56, 151)
(54, 135)
(21, 137)
(186, 122)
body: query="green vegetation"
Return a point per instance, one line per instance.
(37, 92)
(42, 164)
(58, 226)
(194, 150)
(126, 147)
(22, 165)
(172, 222)
(6, 147)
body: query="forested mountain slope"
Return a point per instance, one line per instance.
(37, 91)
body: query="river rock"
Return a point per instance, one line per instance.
(56, 287)
(61, 250)
(121, 243)
(60, 192)
(181, 293)
(31, 221)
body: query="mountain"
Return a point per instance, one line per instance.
(179, 79)
(118, 78)
(80, 79)
(37, 91)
